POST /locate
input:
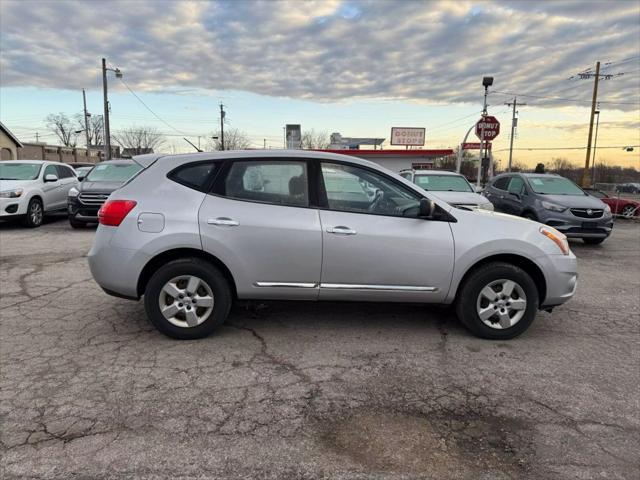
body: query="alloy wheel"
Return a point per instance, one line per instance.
(35, 213)
(186, 301)
(629, 211)
(501, 304)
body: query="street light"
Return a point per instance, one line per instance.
(107, 132)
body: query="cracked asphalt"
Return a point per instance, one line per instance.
(88, 389)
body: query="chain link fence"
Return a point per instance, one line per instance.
(624, 204)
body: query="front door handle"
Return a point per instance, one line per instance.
(223, 222)
(341, 230)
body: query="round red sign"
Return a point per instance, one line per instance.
(487, 128)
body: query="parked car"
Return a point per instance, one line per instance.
(626, 207)
(84, 201)
(553, 200)
(193, 232)
(30, 189)
(628, 188)
(451, 187)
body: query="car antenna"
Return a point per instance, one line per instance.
(191, 144)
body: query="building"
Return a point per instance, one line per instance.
(9, 144)
(338, 142)
(398, 159)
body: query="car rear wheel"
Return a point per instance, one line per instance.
(187, 299)
(497, 301)
(629, 211)
(35, 214)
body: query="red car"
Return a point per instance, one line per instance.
(619, 206)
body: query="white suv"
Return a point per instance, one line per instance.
(31, 188)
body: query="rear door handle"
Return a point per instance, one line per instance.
(223, 222)
(341, 230)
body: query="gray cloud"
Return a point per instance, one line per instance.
(328, 50)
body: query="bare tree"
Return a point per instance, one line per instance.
(63, 127)
(234, 139)
(139, 139)
(96, 128)
(315, 140)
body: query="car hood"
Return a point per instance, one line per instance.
(460, 198)
(573, 201)
(109, 187)
(13, 184)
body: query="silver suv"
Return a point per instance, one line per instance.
(191, 233)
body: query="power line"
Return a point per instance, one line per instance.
(563, 99)
(152, 112)
(566, 148)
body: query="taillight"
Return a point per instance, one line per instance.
(113, 212)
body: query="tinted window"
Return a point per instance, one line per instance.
(554, 186)
(64, 172)
(113, 172)
(353, 189)
(501, 183)
(279, 182)
(195, 175)
(51, 170)
(19, 171)
(516, 185)
(443, 183)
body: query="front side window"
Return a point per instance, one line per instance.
(51, 170)
(516, 185)
(113, 172)
(354, 189)
(554, 186)
(443, 183)
(19, 171)
(276, 182)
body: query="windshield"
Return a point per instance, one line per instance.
(443, 183)
(554, 186)
(113, 172)
(19, 171)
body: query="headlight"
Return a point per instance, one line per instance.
(558, 238)
(73, 192)
(15, 193)
(553, 207)
(607, 208)
(486, 206)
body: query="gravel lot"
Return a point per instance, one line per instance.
(88, 389)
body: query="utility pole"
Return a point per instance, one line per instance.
(86, 120)
(107, 133)
(264, 144)
(595, 144)
(585, 173)
(37, 138)
(221, 126)
(514, 124)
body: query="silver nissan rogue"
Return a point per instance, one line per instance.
(192, 233)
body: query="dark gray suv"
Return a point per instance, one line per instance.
(553, 200)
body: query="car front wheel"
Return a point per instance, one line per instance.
(76, 223)
(187, 299)
(497, 301)
(35, 214)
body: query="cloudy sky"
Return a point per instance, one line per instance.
(352, 67)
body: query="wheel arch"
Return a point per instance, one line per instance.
(524, 263)
(162, 258)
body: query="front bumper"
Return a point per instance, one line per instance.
(577, 227)
(13, 207)
(561, 276)
(80, 211)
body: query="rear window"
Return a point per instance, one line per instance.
(443, 183)
(113, 172)
(501, 183)
(194, 175)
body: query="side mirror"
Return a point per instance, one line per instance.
(50, 178)
(478, 189)
(80, 178)
(515, 194)
(427, 207)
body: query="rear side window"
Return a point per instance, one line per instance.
(194, 175)
(516, 185)
(501, 183)
(279, 183)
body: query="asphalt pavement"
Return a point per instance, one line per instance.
(88, 389)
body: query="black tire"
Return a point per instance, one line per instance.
(184, 267)
(32, 219)
(593, 241)
(76, 223)
(469, 292)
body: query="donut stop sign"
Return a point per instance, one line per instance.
(487, 128)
